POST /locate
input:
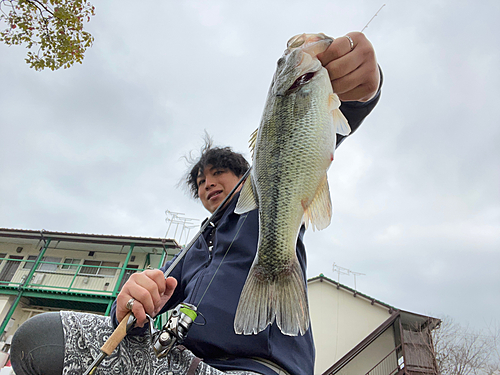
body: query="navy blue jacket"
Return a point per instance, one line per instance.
(235, 245)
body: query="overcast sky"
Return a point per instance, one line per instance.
(98, 148)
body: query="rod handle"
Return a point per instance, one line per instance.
(118, 335)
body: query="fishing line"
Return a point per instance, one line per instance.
(372, 18)
(183, 252)
(222, 260)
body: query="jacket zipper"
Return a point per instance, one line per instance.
(210, 243)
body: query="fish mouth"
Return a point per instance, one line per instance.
(298, 40)
(214, 194)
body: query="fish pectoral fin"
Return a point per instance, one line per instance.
(333, 102)
(246, 201)
(264, 300)
(319, 212)
(340, 123)
(253, 140)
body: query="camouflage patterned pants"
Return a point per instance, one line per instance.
(85, 333)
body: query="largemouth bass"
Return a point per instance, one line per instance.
(292, 151)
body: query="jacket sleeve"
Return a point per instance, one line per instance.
(355, 112)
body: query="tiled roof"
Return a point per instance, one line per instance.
(27, 233)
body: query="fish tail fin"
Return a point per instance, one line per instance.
(265, 299)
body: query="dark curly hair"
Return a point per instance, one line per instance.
(218, 157)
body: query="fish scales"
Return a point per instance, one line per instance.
(292, 151)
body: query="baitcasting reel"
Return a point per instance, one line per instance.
(175, 330)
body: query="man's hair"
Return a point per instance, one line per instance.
(217, 157)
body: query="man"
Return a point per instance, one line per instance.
(210, 276)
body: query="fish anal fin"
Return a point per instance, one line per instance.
(319, 212)
(264, 300)
(246, 201)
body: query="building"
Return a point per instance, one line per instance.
(49, 271)
(355, 334)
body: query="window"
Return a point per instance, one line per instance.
(31, 261)
(127, 274)
(70, 264)
(108, 271)
(42, 266)
(97, 268)
(49, 267)
(90, 270)
(10, 267)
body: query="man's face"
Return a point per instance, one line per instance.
(214, 184)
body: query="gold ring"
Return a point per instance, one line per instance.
(130, 304)
(350, 41)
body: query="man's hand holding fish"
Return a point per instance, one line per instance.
(352, 66)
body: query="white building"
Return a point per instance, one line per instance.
(355, 334)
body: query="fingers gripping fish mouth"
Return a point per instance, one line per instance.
(309, 43)
(298, 66)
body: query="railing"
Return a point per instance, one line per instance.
(66, 277)
(419, 356)
(387, 366)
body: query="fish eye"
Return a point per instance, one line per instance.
(302, 80)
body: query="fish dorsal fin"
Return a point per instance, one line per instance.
(253, 140)
(246, 201)
(341, 126)
(319, 212)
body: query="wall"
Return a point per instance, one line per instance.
(372, 355)
(339, 321)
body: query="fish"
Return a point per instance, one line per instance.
(292, 150)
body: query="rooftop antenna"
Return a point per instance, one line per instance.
(348, 272)
(177, 219)
(189, 227)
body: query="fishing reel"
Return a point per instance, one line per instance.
(175, 330)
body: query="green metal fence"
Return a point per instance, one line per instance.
(79, 278)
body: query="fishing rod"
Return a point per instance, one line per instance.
(175, 330)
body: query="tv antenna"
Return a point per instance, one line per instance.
(178, 220)
(348, 272)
